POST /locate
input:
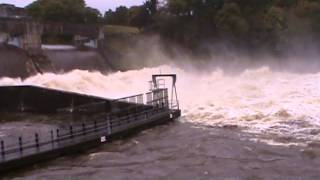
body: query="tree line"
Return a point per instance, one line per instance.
(253, 24)
(268, 24)
(71, 11)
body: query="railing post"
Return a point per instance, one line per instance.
(128, 116)
(109, 125)
(83, 129)
(95, 126)
(58, 134)
(158, 106)
(2, 149)
(52, 138)
(71, 131)
(20, 144)
(36, 135)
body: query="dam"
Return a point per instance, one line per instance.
(94, 120)
(253, 123)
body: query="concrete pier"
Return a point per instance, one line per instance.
(92, 121)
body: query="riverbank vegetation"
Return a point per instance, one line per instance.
(198, 25)
(70, 11)
(273, 25)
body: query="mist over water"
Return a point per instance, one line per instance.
(281, 107)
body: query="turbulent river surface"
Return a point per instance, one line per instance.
(259, 124)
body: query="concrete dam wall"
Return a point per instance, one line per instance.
(15, 62)
(67, 60)
(33, 57)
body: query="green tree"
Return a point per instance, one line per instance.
(74, 11)
(231, 21)
(151, 6)
(139, 16)
(118, 17)
(109, 16)
(286, 3)
(92, 15)
(248, 23)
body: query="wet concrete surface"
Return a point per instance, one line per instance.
(15, 125)
(67, 60)
(181, 151)
(11, 129)
(13, 62)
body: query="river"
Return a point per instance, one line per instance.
(257, 124)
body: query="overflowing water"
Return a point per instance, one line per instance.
(259, 101)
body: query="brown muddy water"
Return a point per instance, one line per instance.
(181, 151)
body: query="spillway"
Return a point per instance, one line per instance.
(68, 60)
(18, 63)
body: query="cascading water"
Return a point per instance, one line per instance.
(260, 101)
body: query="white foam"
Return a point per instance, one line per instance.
(58, 47)
(258, 101)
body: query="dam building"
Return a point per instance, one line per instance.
(20, 30)
(23, 52)
(8, 10)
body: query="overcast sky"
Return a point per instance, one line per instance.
(102, 5)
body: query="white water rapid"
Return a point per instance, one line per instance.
(259, 101)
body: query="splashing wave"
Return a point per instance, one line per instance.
(258, 101)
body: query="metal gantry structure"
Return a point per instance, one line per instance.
(159, 83)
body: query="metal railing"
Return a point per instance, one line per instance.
(103, 125)
(158, 83)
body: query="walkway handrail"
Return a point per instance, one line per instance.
(103, 124)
